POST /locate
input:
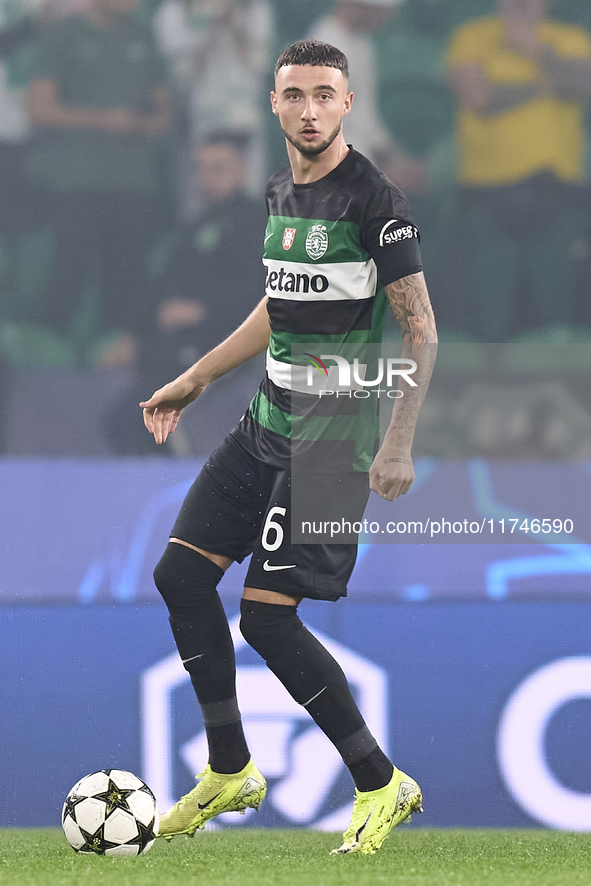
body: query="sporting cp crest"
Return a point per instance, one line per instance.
(288, 237)
(317, 242)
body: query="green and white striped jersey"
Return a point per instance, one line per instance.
(329, 247)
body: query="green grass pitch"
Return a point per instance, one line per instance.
(423, 857)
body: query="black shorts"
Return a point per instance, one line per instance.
(238, 505)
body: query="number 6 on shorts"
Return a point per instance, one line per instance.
(271, 524)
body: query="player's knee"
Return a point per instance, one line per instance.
(267, 626)
(183, 575)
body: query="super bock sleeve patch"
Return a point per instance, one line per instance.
(392, 238)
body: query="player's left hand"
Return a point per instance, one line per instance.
(391, 475)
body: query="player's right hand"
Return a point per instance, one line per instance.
(163, 410)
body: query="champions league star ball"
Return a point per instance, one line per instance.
(110, 812)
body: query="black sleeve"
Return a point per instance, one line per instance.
(390, 235)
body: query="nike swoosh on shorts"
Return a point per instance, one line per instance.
(268, 568)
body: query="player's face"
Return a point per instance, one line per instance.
(310, 103)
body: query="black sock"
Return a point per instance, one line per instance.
(317, 682)
(228, 751)
(372, 772)
(187, 581)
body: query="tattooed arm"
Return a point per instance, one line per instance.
(392, 473)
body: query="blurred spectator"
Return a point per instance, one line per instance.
(217, 261)
(211, 282)
(521, 81)
(99, 103)
(16, 38)
(419, 107)
(350, 27)
(219, 52)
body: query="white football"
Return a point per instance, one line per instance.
(110, 812)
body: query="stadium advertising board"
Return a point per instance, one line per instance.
(487, 703)
(92, 531)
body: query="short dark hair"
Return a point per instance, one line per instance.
(315, 53)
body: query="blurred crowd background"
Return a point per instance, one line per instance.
(135, 142)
